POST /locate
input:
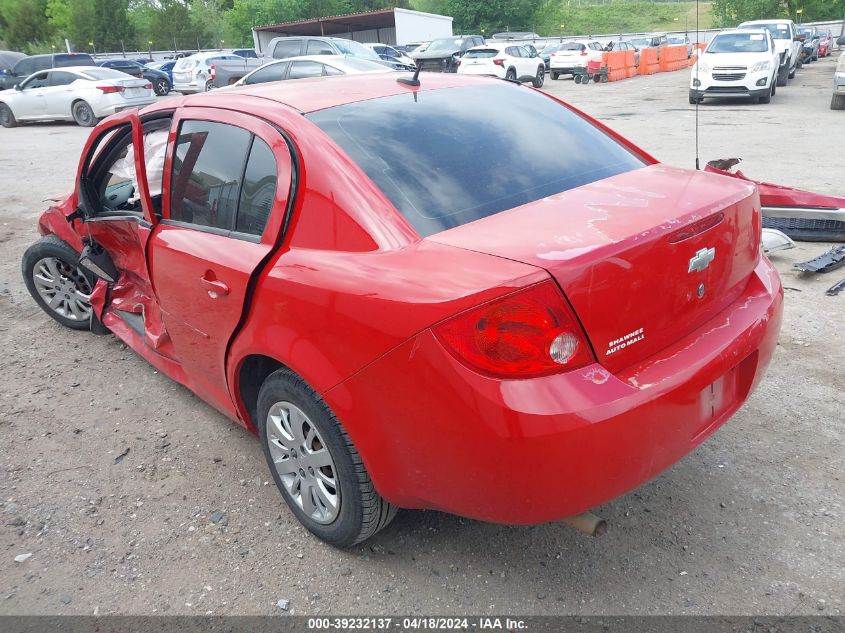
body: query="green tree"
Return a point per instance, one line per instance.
(26, 24)
(104, 22)
(491, 15)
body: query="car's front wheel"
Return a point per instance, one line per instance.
(7, 117)
(783, 75)
(54, 279)
(315, 465)
(83, 114)
(837, 102)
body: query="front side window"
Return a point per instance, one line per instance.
(439, 159)
(207, 170)
(270, 72)
(36, 81)
(318, 47)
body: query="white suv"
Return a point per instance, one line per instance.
(572, 55)
(506, 61)
(193, 73)
(788, 45)
(738, 63)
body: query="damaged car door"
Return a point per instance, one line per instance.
(227, 184)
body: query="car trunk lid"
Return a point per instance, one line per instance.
(644, 257)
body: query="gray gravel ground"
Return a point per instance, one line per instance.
(750, 523)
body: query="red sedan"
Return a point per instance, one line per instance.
(465, 296)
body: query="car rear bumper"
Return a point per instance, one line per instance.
(568, 66)
(124, 104)
(188, 87)
(435, 434)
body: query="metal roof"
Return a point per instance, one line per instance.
(335, 24)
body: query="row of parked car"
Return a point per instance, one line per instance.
(755, 59)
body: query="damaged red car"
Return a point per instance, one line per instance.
(415, 299)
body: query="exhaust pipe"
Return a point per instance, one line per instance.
(588, 523)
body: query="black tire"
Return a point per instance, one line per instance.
(774, 86)
(539, 78)
(161, 86)
(7, 118)
(767, 98)
(52, 247)
(576, 79)
(362, 511)
(783, 75)
(510, 75)
(83, 114)
(554, 75)
(837, 102)
(209, 85)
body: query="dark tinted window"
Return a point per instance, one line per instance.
(572, 46)
(445, 159)
(301, 70)
(481, 53)
(270, 72)
(30, 65)
(66, 59)
(259, 189)
(207, 170)
(318, 47)
(62, 78)
(36, 81)
(287, 48)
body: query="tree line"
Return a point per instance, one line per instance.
(35, 26)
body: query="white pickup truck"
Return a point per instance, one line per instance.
(787, 43)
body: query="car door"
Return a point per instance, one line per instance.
(31, 102)
(59, 94)
(224, 205)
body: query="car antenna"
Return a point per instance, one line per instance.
(415, 80)
(697, 100)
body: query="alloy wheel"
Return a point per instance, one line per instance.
(303, 462)
(64, 289)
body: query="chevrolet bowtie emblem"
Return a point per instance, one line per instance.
(701, 260)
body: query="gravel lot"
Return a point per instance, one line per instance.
(750, 523)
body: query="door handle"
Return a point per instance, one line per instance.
(214, 286)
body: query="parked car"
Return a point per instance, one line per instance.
(311, 66)
(390, 54)
(226, 72)
(166, 67)
(809, 37)
(574, 54)
(25, 66)
(158, 78)
(628, 46)
(515, 35)
(506, 61)
(825, 43)
(547, 52)
(680, 40)
(82, 94)
(413, 47)
(442, 54)
(8, 59)
(246, 53)
(739, 63)
(299, 46)
(786, 42)
(658, 41)
(837, 100)
(193, 73)
(374, 328)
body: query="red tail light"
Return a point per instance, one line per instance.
(108, 90)
(457, 62)
(148, 86)
(213, 72)
(499, 62)
(529, 333)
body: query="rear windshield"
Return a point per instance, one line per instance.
(447, 157)
(103, 73)
(572, 46)
(62, 60)
(739, 43)
(481, 53)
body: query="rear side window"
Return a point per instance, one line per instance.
(447, 158)
(62, 78)
(302, 70)
(270, 72)
(318, 47)
(287, 48)
(207, 170)
(259, 189)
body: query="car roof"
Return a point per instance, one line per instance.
(740, 31)
(775, 21)
(319, 93)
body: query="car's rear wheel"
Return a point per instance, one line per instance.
(161, 86)
(315, 465)
(837, 102)
(540, 78)
(767, 98)
(7, 118)
(209, 85)
(83, 114)
(554, 75)
(54, 279)
(510, 75)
